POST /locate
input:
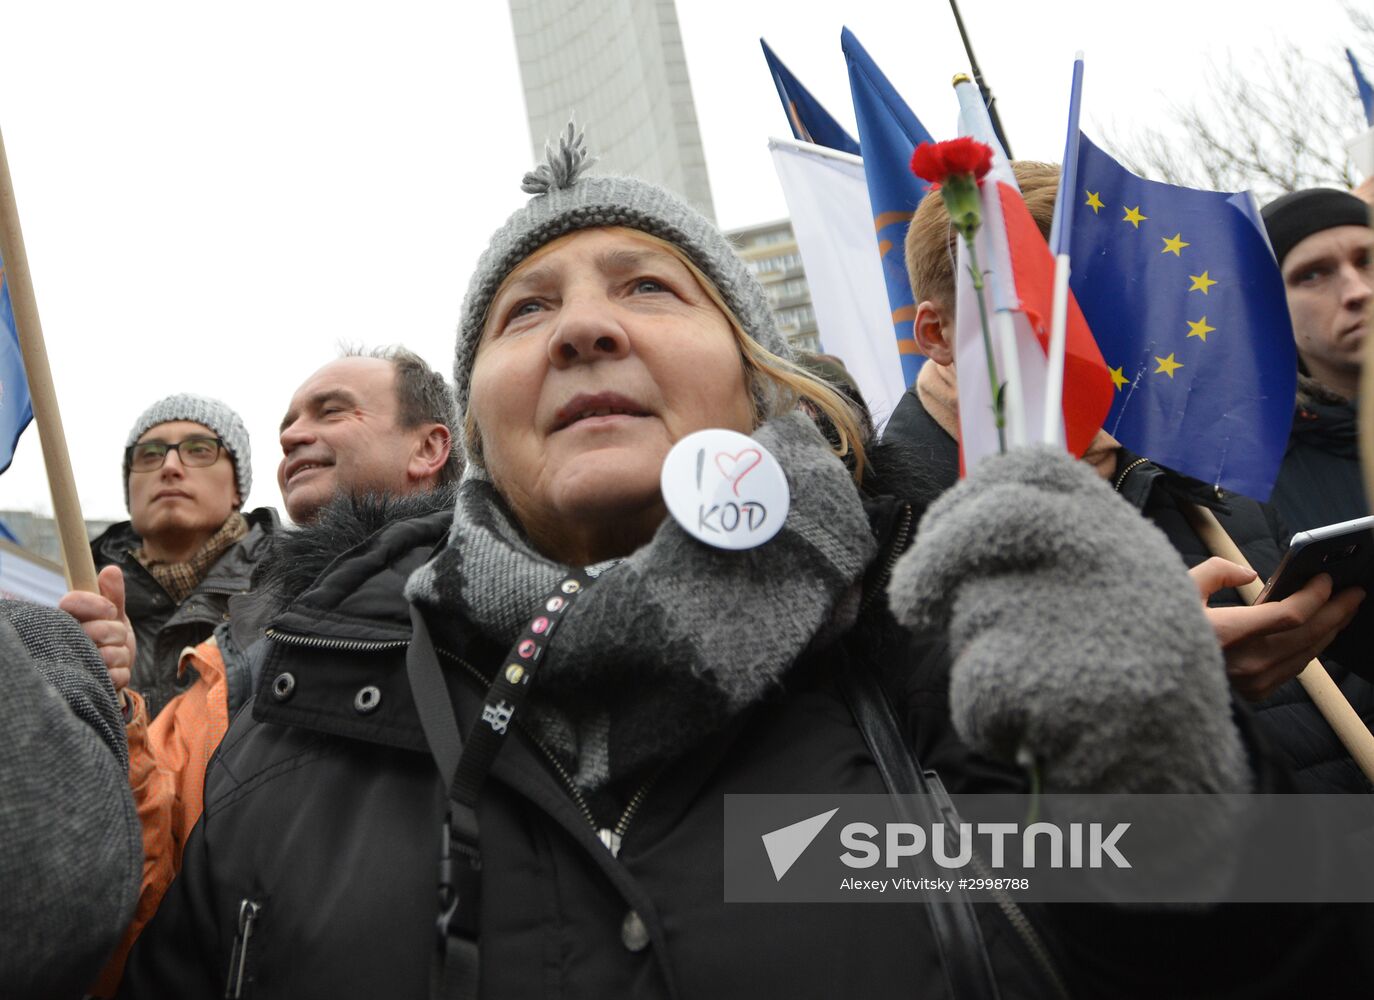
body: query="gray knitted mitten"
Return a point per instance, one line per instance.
(71, 849)
(1075, 632)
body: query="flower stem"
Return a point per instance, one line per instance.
(977, 272)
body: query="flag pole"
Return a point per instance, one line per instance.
(989, 101)
(1329, 699)
(71, 527)
(1061, 236)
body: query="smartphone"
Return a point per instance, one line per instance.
(1344, 550)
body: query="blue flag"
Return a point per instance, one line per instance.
(889, 133)
(1185, 299)
(809, 120)
(1362, 85)
(16, 410)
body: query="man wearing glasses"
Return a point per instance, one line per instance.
(186, 548)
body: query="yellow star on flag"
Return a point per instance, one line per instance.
(1175, 245)
(1200, 282)
(1093, 202)
(1200, 329)
(1167, 366)
(1134, 217)
(1118, 379)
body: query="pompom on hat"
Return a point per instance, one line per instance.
(211, 413)
(566, 200)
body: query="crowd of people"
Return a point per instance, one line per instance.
(467, 725)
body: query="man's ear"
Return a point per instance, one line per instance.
(934, 332)
(431, 454)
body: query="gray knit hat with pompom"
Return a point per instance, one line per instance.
(211, 413)
(565, 200)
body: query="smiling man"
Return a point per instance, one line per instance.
(186, 547)
(1325, 250)
(365, 424)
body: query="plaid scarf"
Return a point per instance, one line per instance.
(678, 638)
(181, 579)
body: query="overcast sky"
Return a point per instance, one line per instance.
(214, 196)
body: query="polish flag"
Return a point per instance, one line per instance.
(1018, 271)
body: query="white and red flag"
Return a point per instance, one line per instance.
(1018, 273)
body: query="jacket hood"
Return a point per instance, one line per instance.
(301, 563)
(1324, 420)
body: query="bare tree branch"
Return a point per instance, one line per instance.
(1273, 122)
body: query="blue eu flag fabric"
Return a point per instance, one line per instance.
(809, 120)
(1182, 292)
(16, 410)
(1362, 85)
(889, 133)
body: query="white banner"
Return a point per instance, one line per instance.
(827, 198)
(27, 577)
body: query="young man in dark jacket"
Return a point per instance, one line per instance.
(186, 548)
(1265, 647)
(1325, 249)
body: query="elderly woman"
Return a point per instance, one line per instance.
(591, 678)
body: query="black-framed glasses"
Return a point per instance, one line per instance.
(194, 452)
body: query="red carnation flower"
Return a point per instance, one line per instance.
(936, 161)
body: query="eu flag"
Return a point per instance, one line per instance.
(1362, 85)
(889, 133)
(1185, 299)
(16, 410)
(809, 120)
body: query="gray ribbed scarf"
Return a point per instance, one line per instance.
(672, 642)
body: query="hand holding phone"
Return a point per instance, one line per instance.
(1345, 551)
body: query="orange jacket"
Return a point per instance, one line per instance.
(167, 762)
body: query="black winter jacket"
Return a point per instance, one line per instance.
(1320, 481)
(312, 872)
(162, 627)
(1288, 722)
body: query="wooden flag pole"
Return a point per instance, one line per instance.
(1332, 704)
(71, 527)
(1366, 413)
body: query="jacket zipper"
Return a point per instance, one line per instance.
(347, 645)
(610, 837)
(1024, 929)
(238, 955)
(899, 546)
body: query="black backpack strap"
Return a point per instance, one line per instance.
(964, 955)
(463, 767)
(455, 963)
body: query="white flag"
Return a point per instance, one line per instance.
(1362, 152)
(827, 198)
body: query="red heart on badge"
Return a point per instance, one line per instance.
(736, 467)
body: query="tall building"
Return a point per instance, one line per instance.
(618, 65)
(770, 251)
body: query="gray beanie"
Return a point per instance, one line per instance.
(565, 201)
(198, 410)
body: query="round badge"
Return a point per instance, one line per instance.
(725, 489)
